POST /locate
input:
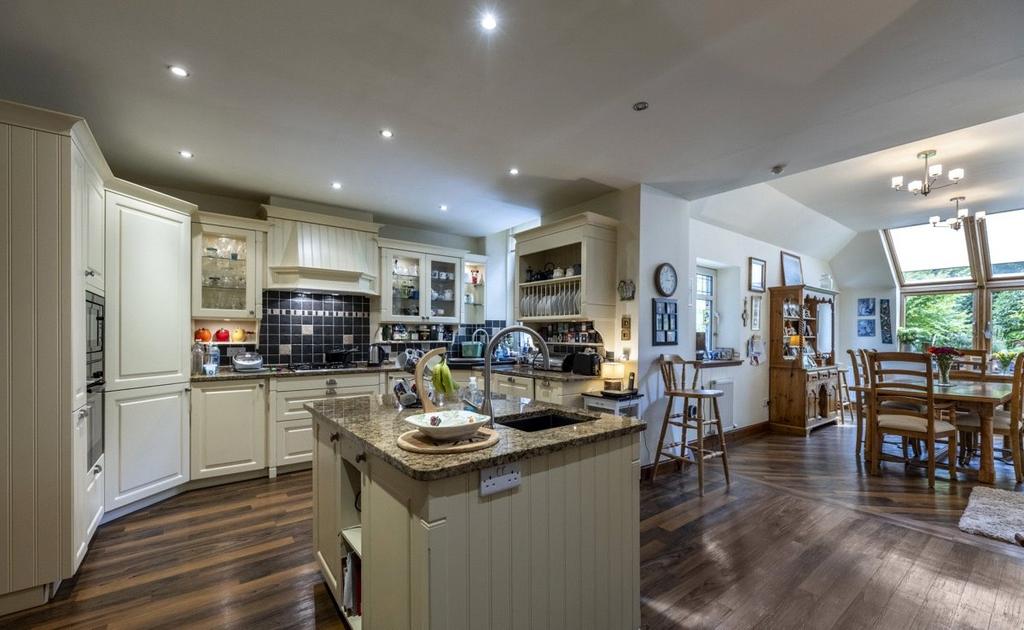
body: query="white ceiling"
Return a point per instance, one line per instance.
(857, 192)
(287, 96)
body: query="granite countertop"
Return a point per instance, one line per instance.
(530, 372)
(228, 374)
(375, 422)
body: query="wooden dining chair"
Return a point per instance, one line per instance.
(972, 365)
(905, 444)
(676, 388)
(906, 378)
(860, 379)
(1007, 422)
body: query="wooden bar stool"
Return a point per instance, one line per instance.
(676, 388)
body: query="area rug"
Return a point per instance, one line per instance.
(994, 513)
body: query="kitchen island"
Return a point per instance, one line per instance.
(558, 550)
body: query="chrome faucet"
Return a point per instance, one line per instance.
(477, 332)
(485, 407)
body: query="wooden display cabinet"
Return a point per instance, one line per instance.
(803, 376)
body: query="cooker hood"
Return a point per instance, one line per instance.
(321, 253)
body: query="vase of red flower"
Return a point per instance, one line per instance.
(944, 356)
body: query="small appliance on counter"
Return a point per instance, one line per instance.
(247, 362)
(587, 363)
(379, 353)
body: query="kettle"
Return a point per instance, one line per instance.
(378, 354)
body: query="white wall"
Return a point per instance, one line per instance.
(498, 283)
(731, 250)
(846, 320)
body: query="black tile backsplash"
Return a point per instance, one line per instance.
(326, 318)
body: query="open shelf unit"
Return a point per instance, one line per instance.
(474, 298)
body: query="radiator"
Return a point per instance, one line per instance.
(725, 403)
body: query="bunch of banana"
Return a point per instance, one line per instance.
(442, 379)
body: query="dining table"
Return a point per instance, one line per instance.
(980, 397)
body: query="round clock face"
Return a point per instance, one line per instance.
(665, 279)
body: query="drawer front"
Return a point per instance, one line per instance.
(322, 381)
(294, 441)
(290, 404)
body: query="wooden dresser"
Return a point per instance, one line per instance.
(803, 377)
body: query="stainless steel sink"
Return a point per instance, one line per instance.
(542, 421)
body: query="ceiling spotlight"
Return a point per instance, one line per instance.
(185, 153)
(488, 22)
(336, 185)
(513, 171)
(178, 71)
(640, 106)
(778, 168)
(444, 208)
(386, 133)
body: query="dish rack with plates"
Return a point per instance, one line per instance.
(550, 298)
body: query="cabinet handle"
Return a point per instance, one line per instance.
(361, 457)
(261, 385)
(331, 381)
(335, 437)
(89, 273)
(97, 469)
(252, 312)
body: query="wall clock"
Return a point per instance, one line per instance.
(665, 279)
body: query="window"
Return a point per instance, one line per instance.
(1007, 320)
(705, 308)
(926, 254)
(940, 319)
(1002, 233)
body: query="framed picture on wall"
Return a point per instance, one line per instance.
(755, 313)
(756, 273)
(865, 328)
(665, 322)
(792, 269)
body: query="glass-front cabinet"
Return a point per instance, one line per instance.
(473, 291)
(421, 287)
(224, 271)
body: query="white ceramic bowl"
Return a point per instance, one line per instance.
(449, 426)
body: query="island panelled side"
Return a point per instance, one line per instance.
(804, 377)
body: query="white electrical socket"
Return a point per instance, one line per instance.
(499, 478)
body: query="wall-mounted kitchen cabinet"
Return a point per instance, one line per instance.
(421, 284)
(566, 270)
(227, 268)
(229, 428)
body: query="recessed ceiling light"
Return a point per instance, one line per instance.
(386, 133)
(178, 71)
(336, 185)
(185, 153)
(513, 171)
(488, 22)
(444, 208)
(640, 106)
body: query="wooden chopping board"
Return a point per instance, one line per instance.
(415, 442)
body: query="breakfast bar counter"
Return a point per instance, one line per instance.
(499, 537)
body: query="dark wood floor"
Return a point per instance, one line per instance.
(801, 539)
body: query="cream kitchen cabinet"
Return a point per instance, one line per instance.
(421, 286)
(229, 427)
(567, 393)
(512, 386)
(227, 268)
(290, 426)
(147, 298)
(88, 489)
(94, 230)
(146, 442)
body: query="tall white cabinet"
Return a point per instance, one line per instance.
(147, 365)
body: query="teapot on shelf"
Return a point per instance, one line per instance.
(558, 272)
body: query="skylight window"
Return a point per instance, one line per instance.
(928, 255)
(1005, 232)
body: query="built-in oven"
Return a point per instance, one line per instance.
(94, 307)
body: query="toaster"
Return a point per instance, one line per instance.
(247, 362)
(586, 363)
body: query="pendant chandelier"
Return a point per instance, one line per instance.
(932, 173)
(956, 222)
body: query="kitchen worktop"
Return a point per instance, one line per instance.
(529, 372)
(228, 374)
(375, 422)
